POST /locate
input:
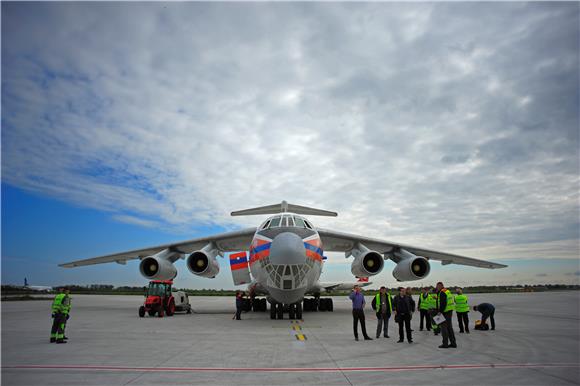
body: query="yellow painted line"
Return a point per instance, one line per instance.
(296, 328)
(301, 337)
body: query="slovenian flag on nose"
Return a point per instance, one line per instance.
(238, 260)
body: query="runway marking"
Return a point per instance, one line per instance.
(292, 369)
(297, 329)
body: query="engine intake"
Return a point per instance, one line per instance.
(366, 262)
(203, 262)
(156, 268)
(412, 267)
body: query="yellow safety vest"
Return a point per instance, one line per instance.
(450, 303)
(378, 302)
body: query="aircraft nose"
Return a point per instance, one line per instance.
(287, 248)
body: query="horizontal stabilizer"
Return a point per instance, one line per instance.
(282, 208)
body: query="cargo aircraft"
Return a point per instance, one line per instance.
(282, 259)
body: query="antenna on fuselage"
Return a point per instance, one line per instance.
(282, 208)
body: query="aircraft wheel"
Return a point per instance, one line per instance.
(280, 311)
(330, 305)
(272, 311)
(292, 311)
(299, 310)
(322, 304)
(141, 311)
(264, 305)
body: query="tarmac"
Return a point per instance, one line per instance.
(536, 342)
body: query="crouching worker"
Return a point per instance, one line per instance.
(487, 311)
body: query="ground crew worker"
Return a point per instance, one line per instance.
(358, 314)
(403, 308)
(66, 306)
(59, 318)
(487, 311)
(383, 305)
(462, 309)
(239, 304)
(424, 305)
(433, 311)
(445, 306)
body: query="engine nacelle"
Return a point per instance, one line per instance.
(412, 267)
(204, 262)
(366, 262)
(157, 268)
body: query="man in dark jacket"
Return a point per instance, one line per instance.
(446, 305)
(403, 308)
(239, 304)
(487, 311)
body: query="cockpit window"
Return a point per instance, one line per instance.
(308, 224)
(266, 225)
(299, 222)
(275, 222)
(290, 221)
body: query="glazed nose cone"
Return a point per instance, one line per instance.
(287, 248)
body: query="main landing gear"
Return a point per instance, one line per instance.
(294, 311)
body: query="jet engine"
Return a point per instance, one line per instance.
(159, 266)
(411, 267)
(366, 262)
(204, 262)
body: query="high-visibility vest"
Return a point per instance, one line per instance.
(66, 304)
(425, 301)
(378, 302)
(57, 303)
(432, 301)
(450, 303)
(461, 303)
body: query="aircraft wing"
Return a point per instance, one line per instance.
(225, 242)
(343, 242)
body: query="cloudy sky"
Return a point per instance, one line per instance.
(452, 126)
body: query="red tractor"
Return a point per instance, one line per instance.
(159, 299)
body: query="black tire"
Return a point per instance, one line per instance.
(141, 311)
(264, 304)
(151, 313)
(292, 311)
(316, 304)
(272, 311)
(280, 311)
(247, 306)
(322, 304)
(330, 305)
(256, 305)
(170, 308)
(299, 311)
(189, 310)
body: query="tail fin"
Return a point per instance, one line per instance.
(284, 207)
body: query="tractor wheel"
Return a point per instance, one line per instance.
(171, 308)
(141, 311)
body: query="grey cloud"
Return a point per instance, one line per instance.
(577, 273)
(453, 125)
